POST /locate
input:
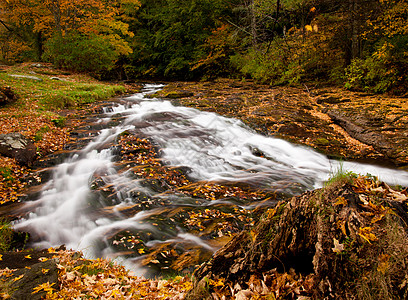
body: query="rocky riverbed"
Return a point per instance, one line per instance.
(337, 122)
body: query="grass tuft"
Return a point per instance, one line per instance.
(340, 176)
(6, 235)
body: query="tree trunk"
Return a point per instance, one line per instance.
(355, 22)
(254, 33)
(38, 45)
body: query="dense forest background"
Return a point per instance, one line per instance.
(359, 44)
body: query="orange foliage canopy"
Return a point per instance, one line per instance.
(61, 16)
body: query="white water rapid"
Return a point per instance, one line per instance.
(213, 147)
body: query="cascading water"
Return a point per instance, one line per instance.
(211, 147)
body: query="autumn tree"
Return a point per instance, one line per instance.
(63, 25)
(382, 66)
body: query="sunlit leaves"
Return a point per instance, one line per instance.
(102, 279)
(46, 287)
(366, 234)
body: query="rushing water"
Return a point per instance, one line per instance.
(212, 147)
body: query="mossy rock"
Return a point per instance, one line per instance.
(178, 94)
(322, 142)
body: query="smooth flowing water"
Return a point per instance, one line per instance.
(211, 147)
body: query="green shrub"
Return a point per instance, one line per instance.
(92, 54)
(383, 70)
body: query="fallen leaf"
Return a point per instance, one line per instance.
(46, 287)
(18, 278)
(384, 263)
(338, 248)
(366, 234)
(340, 201)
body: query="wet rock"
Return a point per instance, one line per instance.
(292, 129)
(363, 134)
(37, 274)
(179, 94)
(332, 100)
(15, 145)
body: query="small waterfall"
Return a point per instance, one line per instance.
(212, 147)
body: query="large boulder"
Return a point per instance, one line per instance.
(26, 282)
(7, 95)
(15, 145)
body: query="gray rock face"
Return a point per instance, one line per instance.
(15, 145)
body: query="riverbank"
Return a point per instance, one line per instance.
(339, 123)
(43, 104)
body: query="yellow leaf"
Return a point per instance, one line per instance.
(377, 218)
(45, 271)
(46, 287)
(1, 257)
(217, 283)
(366, 234)
(42, 259)
(141, 251)
(308, 28)
(18, 278)
(341, 224)
(28, 256)
(4, 296)
(341, 201)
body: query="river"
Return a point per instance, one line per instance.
(209, 147)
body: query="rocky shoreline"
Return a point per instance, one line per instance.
(339, 123)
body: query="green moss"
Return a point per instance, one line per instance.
(40, 133)
(56, 94)
(6, 235)
(6, 174)
(59, 122)
(322, 142)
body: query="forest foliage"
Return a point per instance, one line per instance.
(360, 44)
